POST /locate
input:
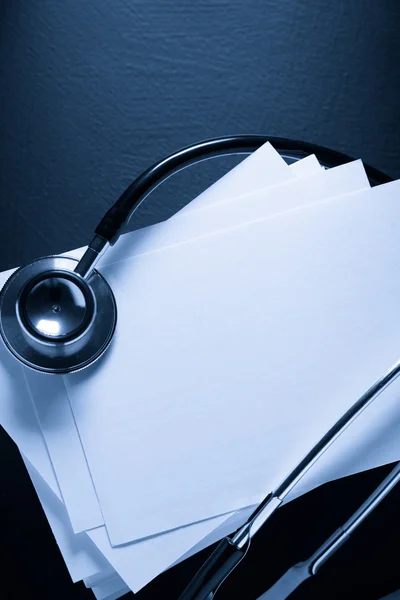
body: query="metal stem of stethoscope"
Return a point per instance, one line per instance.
(94, 252)
(232, 550)
(110, 226)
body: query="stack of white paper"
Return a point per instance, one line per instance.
(248, 323)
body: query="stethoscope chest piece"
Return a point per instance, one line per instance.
(52, 319)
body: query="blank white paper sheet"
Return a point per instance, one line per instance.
(308, 190)
(37, 452)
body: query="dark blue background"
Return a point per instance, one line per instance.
(91, 93)
(94, 91)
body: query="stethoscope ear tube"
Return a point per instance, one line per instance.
(211, 575)
(111, 225)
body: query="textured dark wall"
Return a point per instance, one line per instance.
(92, 92)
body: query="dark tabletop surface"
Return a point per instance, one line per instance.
(93, 92)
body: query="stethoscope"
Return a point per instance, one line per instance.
(58, 315)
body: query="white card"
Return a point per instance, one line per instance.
(305, 165)
(48, 393)
(47, 409)
(138, 563)
(81, 556)
(265, 165)
(83, 508)
(279, 203)
(35, 448)
(110, 590)
(99, 578)
(309, 282)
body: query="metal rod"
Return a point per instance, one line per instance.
(357, 518)
(267, 508)
(96, 249)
